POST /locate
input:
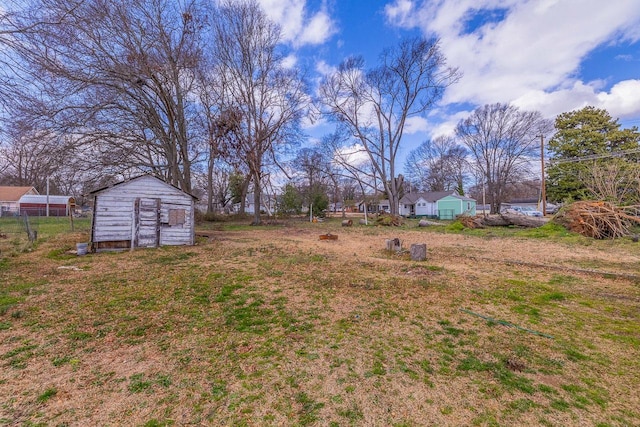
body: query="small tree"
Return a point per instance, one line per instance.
(291, 201)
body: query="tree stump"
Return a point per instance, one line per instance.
(394, 245)
(362, 221)
(418, 252)
(347, 223)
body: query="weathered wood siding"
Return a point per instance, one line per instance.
(129, 211)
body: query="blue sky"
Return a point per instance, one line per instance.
(547, 55)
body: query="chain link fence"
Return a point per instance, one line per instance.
(19, 231)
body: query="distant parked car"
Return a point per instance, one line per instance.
(529, 211)
(523, 210)
(552, 209)
(513, 210)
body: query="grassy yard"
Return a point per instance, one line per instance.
(272, 326)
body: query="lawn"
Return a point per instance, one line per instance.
(272, 326)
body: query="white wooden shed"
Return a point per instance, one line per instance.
(142, 212)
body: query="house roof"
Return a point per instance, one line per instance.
(13, 194)
(464, 198)
(94, 192)
(431, 196)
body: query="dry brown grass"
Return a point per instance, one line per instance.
(273, 326)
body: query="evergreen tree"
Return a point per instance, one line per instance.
(585, 139)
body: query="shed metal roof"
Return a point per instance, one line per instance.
(42, 199)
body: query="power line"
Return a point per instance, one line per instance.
(595, 156)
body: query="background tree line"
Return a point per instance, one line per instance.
(198, 94)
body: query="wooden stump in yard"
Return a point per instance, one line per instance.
(418, 252)
(394, 245)
(347, 223)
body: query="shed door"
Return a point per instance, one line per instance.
(147, 223)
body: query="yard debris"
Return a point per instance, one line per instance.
(328, 236)
(501, 220)
(389, 220)
(69, 267)
(599, 219)
(471, 221)
(347, 223)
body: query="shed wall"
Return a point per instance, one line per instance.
(115, 217)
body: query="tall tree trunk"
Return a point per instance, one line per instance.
(243, 195)
(210, 183)
(256, 199)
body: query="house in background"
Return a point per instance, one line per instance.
(42, 205)
(10, 199)
(268, 206)
(374, 205)
(436, 204)
(142, 212)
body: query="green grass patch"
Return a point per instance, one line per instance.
(508, 379)
(18, 357)
(309, 408)
(138, 383)
(47, 394)
(550, 296)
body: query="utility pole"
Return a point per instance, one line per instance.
(47, 196)
(543, 190)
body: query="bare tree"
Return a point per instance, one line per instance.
(502, 140)
(270, 99)
(615, 181)
(351, 161)
(438, 165)
(118, 74)
(376, 105)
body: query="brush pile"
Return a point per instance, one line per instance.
(471, 221)
(598, 219)
(389, 220)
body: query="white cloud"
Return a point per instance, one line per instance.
(623, 100)
(290, 61)
(400, 12)
(531, 53)
(415, 125)
(354, 155)
(447, 127)
(325, 69)
(299, 26)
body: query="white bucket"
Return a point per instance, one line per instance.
(82, 248)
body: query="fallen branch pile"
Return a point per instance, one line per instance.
(598, 219)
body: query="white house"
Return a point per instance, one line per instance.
(269, 205)
(436, 204)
